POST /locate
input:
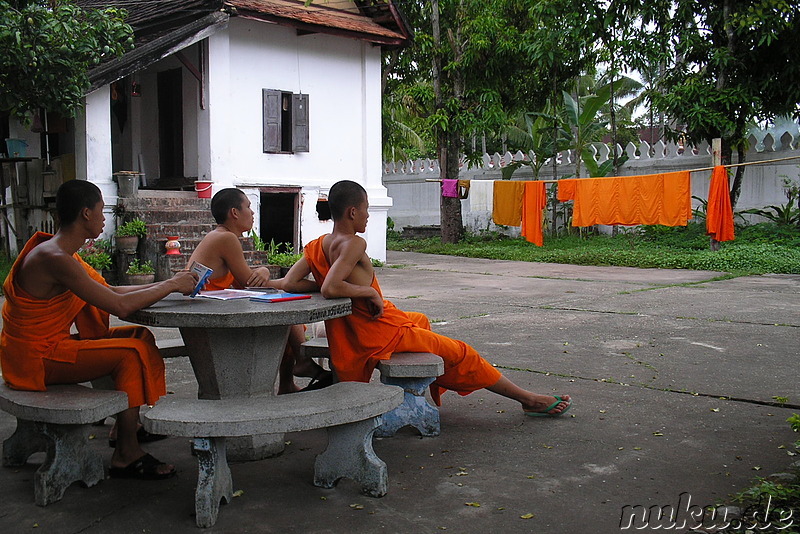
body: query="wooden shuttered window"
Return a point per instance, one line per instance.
(300, 123)
(286, 125)
(272, 120)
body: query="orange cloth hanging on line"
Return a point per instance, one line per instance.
(629, 200)
(719, 212)
(507, 202)
(534, 200)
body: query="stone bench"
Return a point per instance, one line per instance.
(414, 372)
(349, 411)
(58, 421)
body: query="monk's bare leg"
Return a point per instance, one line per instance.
(285, 373)
(531, 402)
(128, 449)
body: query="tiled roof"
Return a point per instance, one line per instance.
(341, 16)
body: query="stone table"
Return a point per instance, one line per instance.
(235, 347)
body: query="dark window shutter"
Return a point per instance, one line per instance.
(300, 123)
(272, 120)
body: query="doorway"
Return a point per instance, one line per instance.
(170, 124)
(279, 220)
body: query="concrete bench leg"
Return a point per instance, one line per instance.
(350, 454)
(415, 410)
(214, 482)
(68, 459)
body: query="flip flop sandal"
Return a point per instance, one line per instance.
(544, 413)
(322, 380)
(145, 468)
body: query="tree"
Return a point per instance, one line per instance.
(487, 62)
(46, 50)
(728, 63)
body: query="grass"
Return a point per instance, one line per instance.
(5, 267)
(757, 249)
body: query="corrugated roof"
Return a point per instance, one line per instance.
(341, 17)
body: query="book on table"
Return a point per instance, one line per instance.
(203, 274)
(280, 296)
(229, 294)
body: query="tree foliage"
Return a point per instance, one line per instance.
(46, 50)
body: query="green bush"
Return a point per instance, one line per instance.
(136, 267)
(135, 227)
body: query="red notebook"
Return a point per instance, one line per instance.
(279, 297)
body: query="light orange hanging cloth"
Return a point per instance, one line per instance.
(507, 202)
(630, 200)
(719, 212)
(358, 342)
(534, 200)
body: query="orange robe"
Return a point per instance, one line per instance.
(534, 201)
(629, 200)
(719, 212)
(223, 282)
(507, 202)
(36, 336)
(358, 342)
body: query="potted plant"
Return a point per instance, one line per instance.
(140, 273)
(95, 253)
(284, 260)
(128, 235)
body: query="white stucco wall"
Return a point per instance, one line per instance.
(341, 77)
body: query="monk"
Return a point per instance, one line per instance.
(50, 289)
(376, 328)
(221, 251)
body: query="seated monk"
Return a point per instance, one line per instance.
(221, 251)
(376, 328)
(49, 289)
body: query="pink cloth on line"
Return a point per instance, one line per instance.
(450, 188)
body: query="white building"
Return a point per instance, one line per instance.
(275, 97)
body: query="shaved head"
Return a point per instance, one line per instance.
(345, 194)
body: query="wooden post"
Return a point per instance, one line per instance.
(716, 159)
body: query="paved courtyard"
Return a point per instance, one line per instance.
(673, 374)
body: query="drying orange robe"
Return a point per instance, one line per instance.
(36, 334)
(507, 202)
(223, 282)
(358, 342)
(534, 201)
(629, 200)
(719, 212)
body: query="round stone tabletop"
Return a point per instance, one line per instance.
(180, 311)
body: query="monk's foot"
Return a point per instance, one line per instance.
(307, 368)
(145, 467)
(288, 388)
(548, 406)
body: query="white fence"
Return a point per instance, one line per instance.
(416, 202)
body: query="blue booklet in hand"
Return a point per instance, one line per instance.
(279, 297)
(203, 272)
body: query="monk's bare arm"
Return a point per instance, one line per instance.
(336, 283)
(68, 273)
(295, 280)
(220, 250)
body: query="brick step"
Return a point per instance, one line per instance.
(188, 230)
(174, 215)
(167, 199)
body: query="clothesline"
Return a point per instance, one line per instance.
(690, 170)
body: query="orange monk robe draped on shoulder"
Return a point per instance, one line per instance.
(33, 328)
(223, 282)
(629, 200)
(534, 201)
(507, 202)
(358, 342)
(719, 212)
